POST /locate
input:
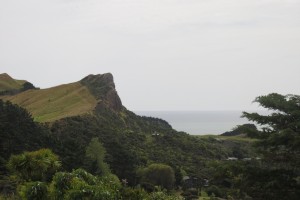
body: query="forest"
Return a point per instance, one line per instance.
(120, 155)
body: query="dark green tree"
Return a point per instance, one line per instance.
(280, 134)
(18, 131)
(158, 175)
(27, 86)
(278, 175)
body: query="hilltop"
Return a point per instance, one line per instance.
(8, 83)
(92, 93)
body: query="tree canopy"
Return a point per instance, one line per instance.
(277, 176)
(280, 132)
(158, 175)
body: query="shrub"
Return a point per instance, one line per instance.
(33, 191)
(158, 175)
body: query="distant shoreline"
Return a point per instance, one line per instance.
(201, 122)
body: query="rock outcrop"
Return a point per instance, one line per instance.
(102, 86)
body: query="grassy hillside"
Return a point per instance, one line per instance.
(55, 103)
(8, 83)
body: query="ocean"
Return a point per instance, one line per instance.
(199, 122)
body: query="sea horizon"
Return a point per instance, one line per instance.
(201, 122)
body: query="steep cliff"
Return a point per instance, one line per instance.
(102, 86)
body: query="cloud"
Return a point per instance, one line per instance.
(207, 49)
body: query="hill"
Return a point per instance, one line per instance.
(91, 108)
(8, 83)
(78, 98)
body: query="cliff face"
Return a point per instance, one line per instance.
(102, 86)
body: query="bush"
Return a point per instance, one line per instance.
(133, 194)
(214, 190)
(163, 196)
(33, 191)
(191, 193)
(158, 175)
(82, 185)
(34, 166)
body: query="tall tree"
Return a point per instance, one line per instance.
(280, 134)
(96, 153)
(278, 175)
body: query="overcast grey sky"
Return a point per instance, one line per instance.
(164, 54)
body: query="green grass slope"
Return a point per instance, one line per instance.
(54, 103)
(8, 83)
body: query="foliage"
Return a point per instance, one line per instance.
(158, 175)
(18, 131)
(281, 128)
(191, 193)
(280, 136)
(82, 185)
(163, 196)
(27, 86)
(33, 191)
(96, 153)
(128, 193)
(33, 166)
(274, 177)
(129, 143)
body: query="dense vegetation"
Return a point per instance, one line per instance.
(111, 153)
(108, 142)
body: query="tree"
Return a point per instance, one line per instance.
(34, 191)
(96, 153)
(34, 166)
(280, 135)
(80, 184)
(18, 131)
(277, 176)
(27, 86)
(158, 175)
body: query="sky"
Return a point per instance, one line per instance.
(164, 54)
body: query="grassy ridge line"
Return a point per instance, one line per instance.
(57, 102)
(8, 83)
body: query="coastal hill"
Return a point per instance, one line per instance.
(78, 98)
(76, 114)
(8, 83)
